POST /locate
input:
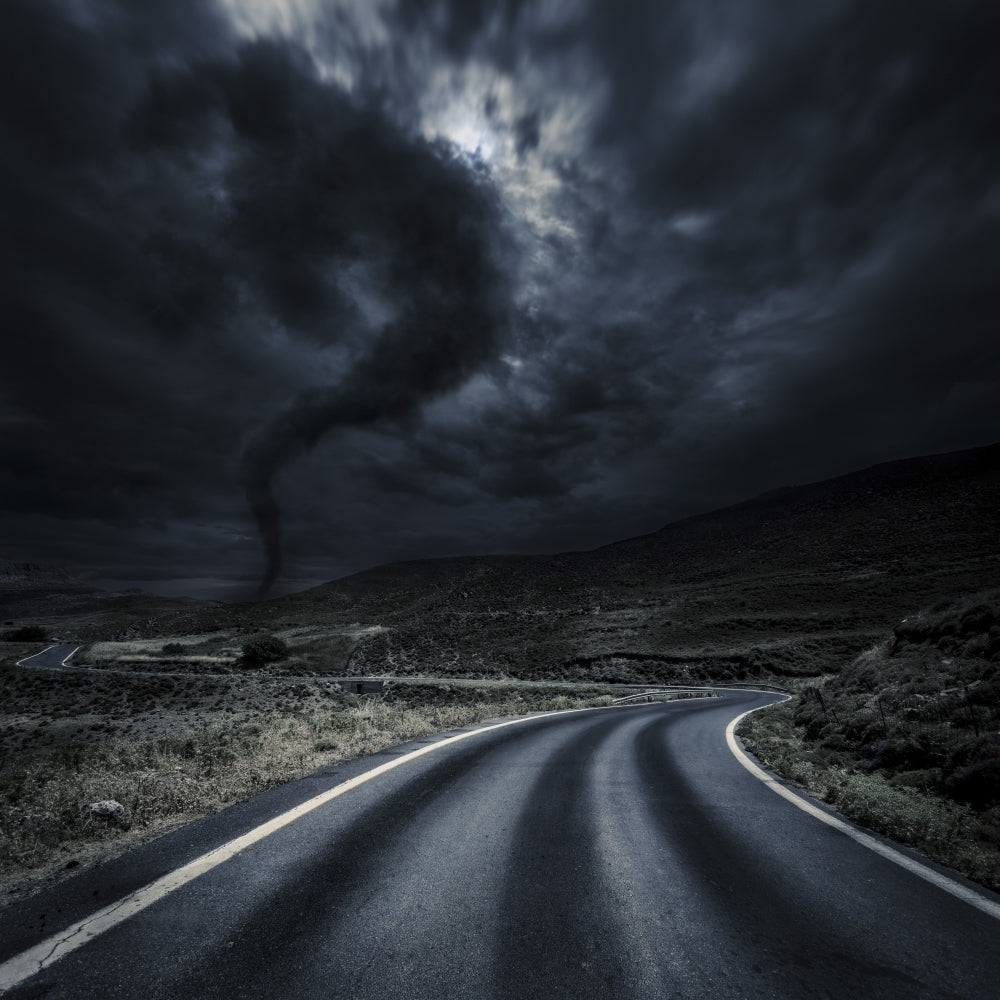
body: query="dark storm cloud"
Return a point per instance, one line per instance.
(527, 133)
(316, 183)
(456, 276)
(821, 182)
(80, 400)
(255, 180)
(460, 26)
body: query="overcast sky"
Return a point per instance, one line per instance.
(293, 288)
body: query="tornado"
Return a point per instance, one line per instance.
(440, 341)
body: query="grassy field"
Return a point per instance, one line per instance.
(171, 748)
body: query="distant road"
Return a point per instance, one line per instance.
(54, 657)
(615, 853)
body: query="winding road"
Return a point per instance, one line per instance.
(52, 658)
(620, 853)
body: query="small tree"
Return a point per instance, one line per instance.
(264, 649)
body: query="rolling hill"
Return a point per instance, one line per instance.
(794, 582)
(791, 582)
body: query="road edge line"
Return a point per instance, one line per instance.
(33, 960)
(39, 653)
(949, 885)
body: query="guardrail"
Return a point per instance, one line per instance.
(690, 691)
(756, 686)
(672, 693)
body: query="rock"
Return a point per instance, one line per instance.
(106, 809)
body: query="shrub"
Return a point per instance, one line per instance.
(27, 633)
(978, 784)
(905, 753)
(978, 619)
(264, 649)
(900, 812)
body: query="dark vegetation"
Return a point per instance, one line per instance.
(906, 738)
(26, 633)
(264, 649)
(923, 710)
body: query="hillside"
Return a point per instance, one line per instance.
(905, 738)
(59, 602)
(794, 582)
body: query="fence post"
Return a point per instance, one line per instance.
(826, 711)
(972, 714)
(881, 712)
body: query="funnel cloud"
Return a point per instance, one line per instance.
(320, 183)
(430, 225)
(446, 335)
(383, 281)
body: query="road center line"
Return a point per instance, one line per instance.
(866, 840)
(28, 963)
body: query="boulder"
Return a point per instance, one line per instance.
(107, 809)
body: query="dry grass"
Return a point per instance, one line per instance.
(171, 749)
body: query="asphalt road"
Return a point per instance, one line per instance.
(51, 658)
(612, 853)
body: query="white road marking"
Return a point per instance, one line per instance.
(28, 963)
(890, 853)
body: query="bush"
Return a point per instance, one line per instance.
(264, 649)
(978, 784)
(905, 753)
(902, 813)
(27, 633)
